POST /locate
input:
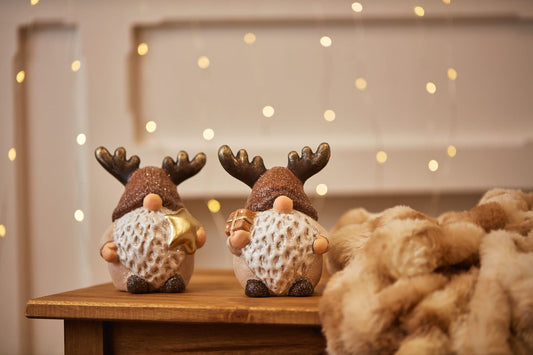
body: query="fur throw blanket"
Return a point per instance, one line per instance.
(406, 283)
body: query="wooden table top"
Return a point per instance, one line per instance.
(212, 296)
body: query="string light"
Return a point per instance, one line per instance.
(249, 38)
(431, 88)
(79, 215)
(419, 11)
(12, 154)
(81, 139)
(357, 7)
(381, 157)
(34, 2)
(329, 115)
(3, 231)
(325, 41)
(203, 62)
(21, 75)
(452, 151)
(151, 126)
(360, 83)
(213, 206)
(321, 189)
(142, 48)
(268, 111)
(433, 165)
(75, 66)
(208, 134)
(452, 74)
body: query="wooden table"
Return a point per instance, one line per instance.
(212, 315)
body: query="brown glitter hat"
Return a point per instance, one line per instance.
(275, 182)
(140, 182)
(267, 185)
(143, 182)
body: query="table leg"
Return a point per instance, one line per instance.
(84, 337)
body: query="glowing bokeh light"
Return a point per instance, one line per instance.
(381, 157)
(151, 126)
(203, 62)
(79, 215)
(75, 66)
(321, 189)
(431, 88)
(3, 231)
(452, 151)
(208, 134)
(360, 83)
(249, 38)
(12, 154)
(433, 165)
(213, 206)
(81, 139)
(268, 111)
(142, 48)
(357, 7)
(325, 41)
(21, 75)
(452, 73)
(329, 115)
(419, 11)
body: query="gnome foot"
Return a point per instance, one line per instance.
(135, 284)
(256, 288)
(175, 284)
(301, 288)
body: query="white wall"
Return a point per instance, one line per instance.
(486, 113)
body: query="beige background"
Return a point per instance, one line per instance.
(486, 113)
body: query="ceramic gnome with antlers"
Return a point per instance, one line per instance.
(151, 243)
(276, 240)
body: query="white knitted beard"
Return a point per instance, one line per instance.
(280, 251)
(141, 238)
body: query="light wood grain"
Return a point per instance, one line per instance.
(213, 296)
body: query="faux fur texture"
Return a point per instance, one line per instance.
(406, 283)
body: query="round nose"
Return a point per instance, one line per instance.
(283, 204)
(152, 202)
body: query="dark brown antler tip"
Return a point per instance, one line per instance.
(310, 163)
(239, 166)
(182, 169)
(117, 164)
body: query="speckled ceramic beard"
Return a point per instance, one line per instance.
(280, 251)
(142, 246)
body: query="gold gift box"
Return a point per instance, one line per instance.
(242, 219)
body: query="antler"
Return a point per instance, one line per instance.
(239, 167)
(117, 165)
(310, 163)
(182, 169)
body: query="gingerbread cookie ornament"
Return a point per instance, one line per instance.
(151, 243)
(276, 240)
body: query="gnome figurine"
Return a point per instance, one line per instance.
(151, 243)
(276, 240)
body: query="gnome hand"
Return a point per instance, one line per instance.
(109, 252)
(320, 245)
(200, 237)
(238, 239)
